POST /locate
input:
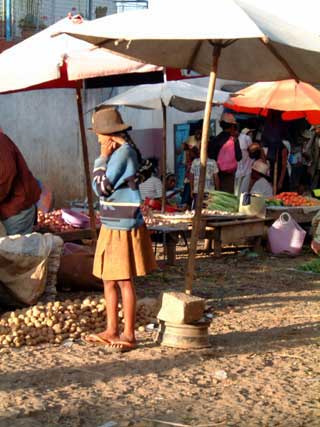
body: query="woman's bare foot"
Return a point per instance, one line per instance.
(128, 338)
(123, 343)
(104, 337)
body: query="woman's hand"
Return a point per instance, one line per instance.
(107, 147)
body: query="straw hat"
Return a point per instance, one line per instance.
(107, 121)
(254, 147)
(306, 134)
(228, 118)
(245, 131)
(261, 167)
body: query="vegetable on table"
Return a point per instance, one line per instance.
(222, 201)
(52, 221)
(274, 202)
(295, 199)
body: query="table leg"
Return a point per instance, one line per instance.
(171, 252)
(257, 245)
(208, 245)
(217, 247)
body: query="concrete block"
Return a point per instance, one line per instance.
(178, 307)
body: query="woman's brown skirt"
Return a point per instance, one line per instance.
(121, 254)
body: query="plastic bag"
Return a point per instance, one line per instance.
(286, 236)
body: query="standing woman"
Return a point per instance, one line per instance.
(225, 149)
(124, 248)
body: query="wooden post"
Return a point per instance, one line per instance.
(203, 163)
(86, 165)
(275, 173)
(164, 156)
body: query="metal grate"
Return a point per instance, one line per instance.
(127, 5)
(31, 16)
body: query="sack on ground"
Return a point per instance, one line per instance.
(76, 267)
(25, 263)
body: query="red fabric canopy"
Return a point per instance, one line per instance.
(43, 61)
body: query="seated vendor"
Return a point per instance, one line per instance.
(173, 194)
(19, 190)
(259, 183)
(152, 187)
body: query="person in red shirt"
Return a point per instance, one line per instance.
(19, 190)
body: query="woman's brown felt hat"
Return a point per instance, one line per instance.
(107, 121)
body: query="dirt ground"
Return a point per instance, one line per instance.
(262, 368)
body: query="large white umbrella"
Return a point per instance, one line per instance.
(242, 37)
(42, 61)
(257, 45)
(180, 95)
(42, 58)
(177, 94)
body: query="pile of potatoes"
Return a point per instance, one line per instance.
(57, 321)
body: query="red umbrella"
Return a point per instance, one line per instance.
(295, 98)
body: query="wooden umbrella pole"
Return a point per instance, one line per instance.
(164, 156)
(275, 173)
(86, 165)
(203, 165)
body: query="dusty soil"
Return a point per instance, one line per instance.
(262, 368)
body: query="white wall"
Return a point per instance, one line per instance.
(44, 125)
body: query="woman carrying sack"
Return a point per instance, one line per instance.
(124, 248)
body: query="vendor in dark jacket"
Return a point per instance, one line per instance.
(225, 149)
(19, 190)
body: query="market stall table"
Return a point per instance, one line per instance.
(169, 237)
(221, 229)
(234, 232)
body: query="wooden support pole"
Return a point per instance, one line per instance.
(275, 173)
(86, 165)
(277, 55)
(203, 164)
(164, 156)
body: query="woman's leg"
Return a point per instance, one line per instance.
(112, 331)
(112, 299)
(128, 294)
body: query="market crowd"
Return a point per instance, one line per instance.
(257, 160)
(266, 159)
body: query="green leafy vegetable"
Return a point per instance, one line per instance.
(311, 266)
